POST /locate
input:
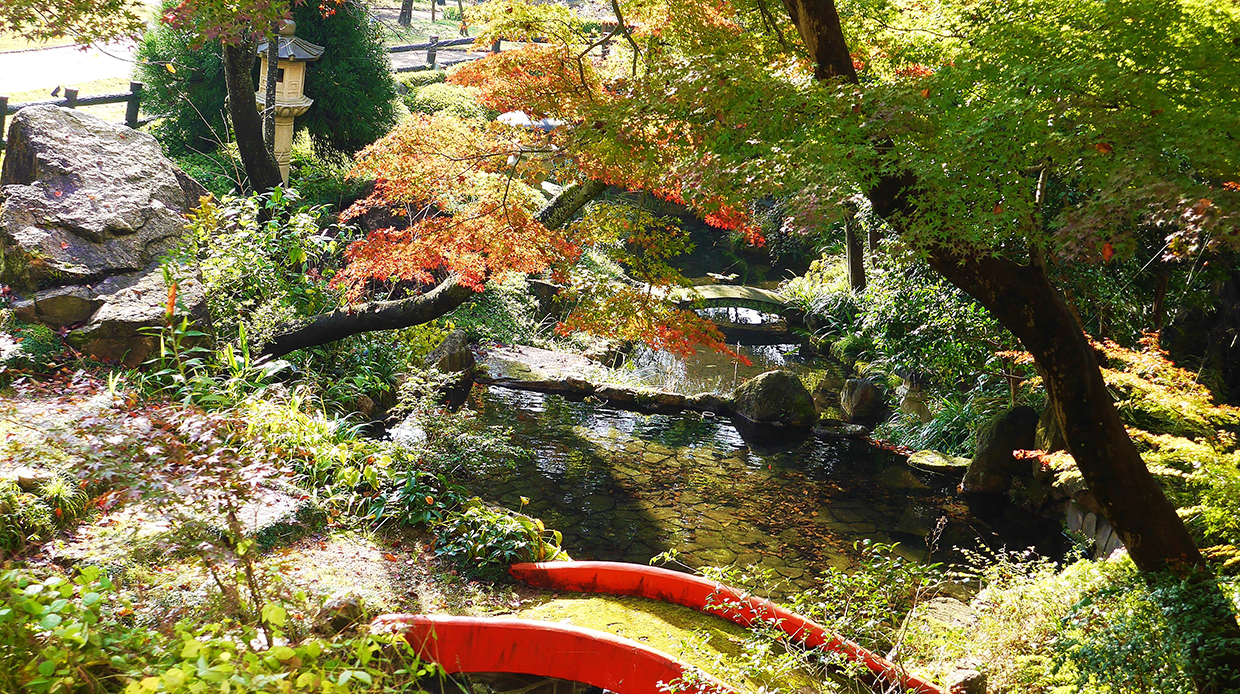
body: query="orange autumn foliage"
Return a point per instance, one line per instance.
(447, 177)
(539, 80)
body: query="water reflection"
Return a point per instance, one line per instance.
(710, 371)
(626, 486)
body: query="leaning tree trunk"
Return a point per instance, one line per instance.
(415, 310)
(260, 165)
(1023, 299)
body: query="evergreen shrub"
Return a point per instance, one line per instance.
(458, 101)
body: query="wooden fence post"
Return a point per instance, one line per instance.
(495, 46)
(432, 51)
(131, 106)
(71, 97)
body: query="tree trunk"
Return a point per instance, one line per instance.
(260, 165)
(406, 13)
(1160, 295)
(269, 92)
(818, 23)
(416, 310)
(1026, 303)
(1022, 298)
(369, 317)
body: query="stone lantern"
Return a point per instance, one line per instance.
(290, 81)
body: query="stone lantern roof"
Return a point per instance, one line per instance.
(293, 48)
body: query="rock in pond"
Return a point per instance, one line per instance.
(993, 464)
(775, 397)
(862, 401)
(940, 463)
(453, 354)
(87, 210)
(827, 392)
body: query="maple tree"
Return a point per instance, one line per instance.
(461, 194)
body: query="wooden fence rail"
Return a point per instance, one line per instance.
(132, 100)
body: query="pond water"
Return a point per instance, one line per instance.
(627, 486)
(710, 371)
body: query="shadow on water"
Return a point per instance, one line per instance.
(626, 486)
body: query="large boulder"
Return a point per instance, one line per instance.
(87, 210)
(862, 401)
(775, 397)
(993, 464)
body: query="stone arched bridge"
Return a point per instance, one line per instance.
(736, 296)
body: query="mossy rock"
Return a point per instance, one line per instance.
(775, 397)
(940, 463)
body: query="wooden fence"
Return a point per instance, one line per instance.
(132, 100)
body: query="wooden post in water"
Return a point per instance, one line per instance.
(134, 103)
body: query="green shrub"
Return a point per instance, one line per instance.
(323, 183)
(413, 81)
(483, 540)
(60, 636)
(259, 274)
(220, 172)
(352, 86)
(1142, 633)
(190, 96)
(456, 100)
(24, 519)
(38, 348)
(870, 603)
(504, 313)
(953, 429)
(907, 319)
